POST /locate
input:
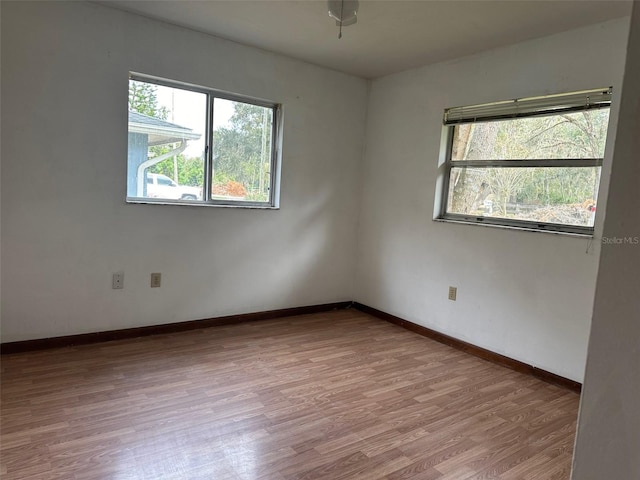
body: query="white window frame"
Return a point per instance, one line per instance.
(275, 161)
(517, 108)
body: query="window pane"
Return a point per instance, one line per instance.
(545, 194)
(166, 142)
(573, 135)
(241, 151)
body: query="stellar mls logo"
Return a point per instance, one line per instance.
(621, 240)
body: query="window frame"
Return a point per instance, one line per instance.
(211, 94)
(447, 164)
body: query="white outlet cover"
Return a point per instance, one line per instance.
(117, 281)
(453, 291)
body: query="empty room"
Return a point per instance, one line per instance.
(283, 240)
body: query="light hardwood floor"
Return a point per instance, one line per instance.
(337, 395)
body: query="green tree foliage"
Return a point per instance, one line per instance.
(190, 170)
(143, 99)
(242, 150)
(580, 135)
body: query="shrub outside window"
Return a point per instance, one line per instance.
(194, 145)
(532, 163)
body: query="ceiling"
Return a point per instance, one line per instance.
(390, 36)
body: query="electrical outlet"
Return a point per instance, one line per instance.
(156, 280)
(117, 281)
(453, 292)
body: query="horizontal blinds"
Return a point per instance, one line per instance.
(526, 107)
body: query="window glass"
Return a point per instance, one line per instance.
(241, 151)
(166, 139)
(182, 138)
(570, 135)
(539, 171)
(565, 195)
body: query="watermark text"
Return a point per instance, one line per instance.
(621, 240)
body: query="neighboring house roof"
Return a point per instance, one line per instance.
(159, 131)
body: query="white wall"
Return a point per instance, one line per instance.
(526, 295)
(608, 439)
(65, 224)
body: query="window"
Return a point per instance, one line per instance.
(532, 163)
(195, 145)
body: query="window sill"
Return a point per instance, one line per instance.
(183, 203)
(514, 227)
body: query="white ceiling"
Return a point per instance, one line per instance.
(390, 36)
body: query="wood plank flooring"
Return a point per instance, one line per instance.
(337, 395)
